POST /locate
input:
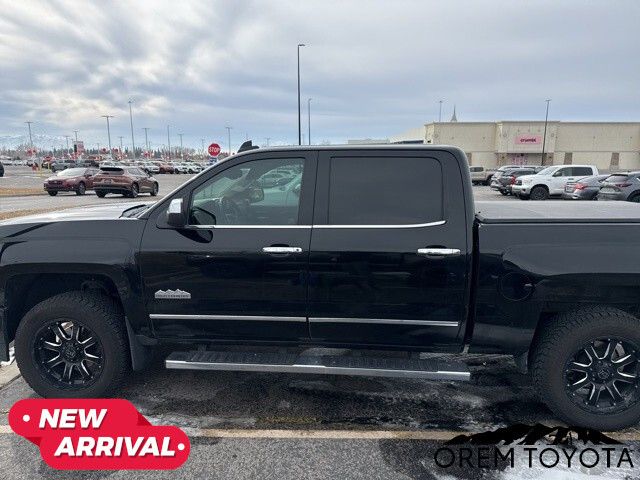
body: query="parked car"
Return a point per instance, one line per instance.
(550, 181)
(1, 170)
(376, 249)
(193, 167)
(127, 181)
(179, 167)
(77, 180)
(164, 167)
(481, 175)
(150, 167)
(507, 179)
(585, 188)
(621, 186)
(58, 165)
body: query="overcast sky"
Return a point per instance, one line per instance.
(373, 69)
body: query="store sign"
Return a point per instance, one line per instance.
(529, 140)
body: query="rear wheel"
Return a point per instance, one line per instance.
(154, 190)
(81, 190)
(100, 194)
(635, 198)
(598, 382)
(73, 345)
(53, 194)
(504, 192)
(539, 193)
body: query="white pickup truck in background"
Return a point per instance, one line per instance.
(550, 181)
(481, 175)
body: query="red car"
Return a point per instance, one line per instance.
(77, 180)
(127, 181)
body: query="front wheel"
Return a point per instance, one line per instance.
(504, 192)
(586, 367)
(135, 190)
(53, 193)
(539, 193)
(73, 345)
(154, 190)
(82, 189)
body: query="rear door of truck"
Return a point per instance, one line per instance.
(390, 255)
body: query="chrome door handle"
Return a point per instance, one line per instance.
(281, 249)
(438, 252)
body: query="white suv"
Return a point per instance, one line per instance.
(550, 181)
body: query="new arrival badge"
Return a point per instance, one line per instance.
(97, 434)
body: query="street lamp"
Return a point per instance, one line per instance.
(169, 142)
(309, 118)
(133, 142)
(121, 148)
(229, 137)
(440, 111)
(108, 130)
(299, 124)
(181, 151)
(30, 139)
(544, 135)
(146, 137)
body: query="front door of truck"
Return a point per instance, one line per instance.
(390, 257)
(238, 270)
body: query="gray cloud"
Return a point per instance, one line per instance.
(373, 68)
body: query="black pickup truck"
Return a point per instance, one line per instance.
(376, 250)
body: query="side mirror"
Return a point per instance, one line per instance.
(175, 216)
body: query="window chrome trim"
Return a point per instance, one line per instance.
(400, 225)
(384, 321)
(250, 318)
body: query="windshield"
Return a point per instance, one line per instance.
(71, 172)
(547, 171)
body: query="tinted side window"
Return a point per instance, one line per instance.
(581, 171)
(384, 190)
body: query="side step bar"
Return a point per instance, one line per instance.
(328, 365)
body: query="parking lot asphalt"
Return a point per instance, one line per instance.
(260, 425)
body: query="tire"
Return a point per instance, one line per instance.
(100, 194)
(82, 189)
(539, 193)
(100, 318)
(135, 190)
(154, 189)
(53, 194)
(504, 192)
(556, 345)
(634, 198)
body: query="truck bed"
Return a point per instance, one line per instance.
(557, 212)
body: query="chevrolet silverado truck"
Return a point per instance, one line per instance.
(378, 251)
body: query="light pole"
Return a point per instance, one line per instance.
(440, 112)
(121, 148)
(181, 150)
(267, 139)
(169, 142)
(299, 125)
(309, 118)
(67, 139)
(108, 130)
(146, 137)
(229, 137)
(30, 139)
(76, 132)
(133, 142)
(544, 135)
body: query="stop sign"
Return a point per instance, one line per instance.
(214, 149)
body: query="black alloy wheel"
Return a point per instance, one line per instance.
(603, 376)
(68, 354)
